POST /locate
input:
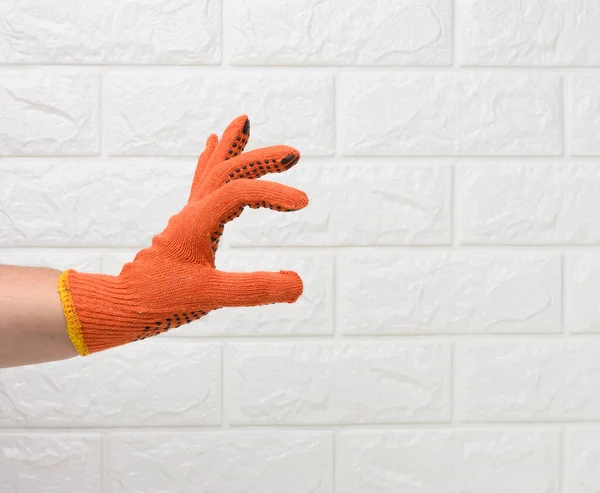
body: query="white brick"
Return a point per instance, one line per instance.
(126, 202)
(62, 463)
(112, 31)
(313, 383)
(448, 113)
(585, 115)
(582, 292)
(174, 114)
(528, 380)
(355, 32)
(529, 203)
(529, 32)
(104, 202)
(266, 462)
(582, 458)
(452, 461)
(427, 354)
(60, 260)
(392, 293)
(356, 204)
(48, 114)
(141, 384)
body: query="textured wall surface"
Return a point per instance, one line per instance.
(448, 340)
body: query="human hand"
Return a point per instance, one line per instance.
(175, 281)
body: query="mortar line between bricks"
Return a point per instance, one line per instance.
(370, 338)
(454, 206)
(344, 158)
(328, 249)
(224, 419)
(548, 425)
(225, 58)
(453, 385)
(323, 249)
(454, 27)
(563, 294)
(221, 68)
(561, 461)
(566, 114)
(449, 248)
(337, 333)
(103, 463)
(448, 159)
(334, 446)
(400, 160)
(103, 119)
(442, 155)
(337, 145)
(42, 157)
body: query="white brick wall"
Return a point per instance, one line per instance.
(449, 336)
(452, 461)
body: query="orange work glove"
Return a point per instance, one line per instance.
(174, 281)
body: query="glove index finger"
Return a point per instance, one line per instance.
(251, 165)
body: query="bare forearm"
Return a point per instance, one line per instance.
(32, 323)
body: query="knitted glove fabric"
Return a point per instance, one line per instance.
(174, 281)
